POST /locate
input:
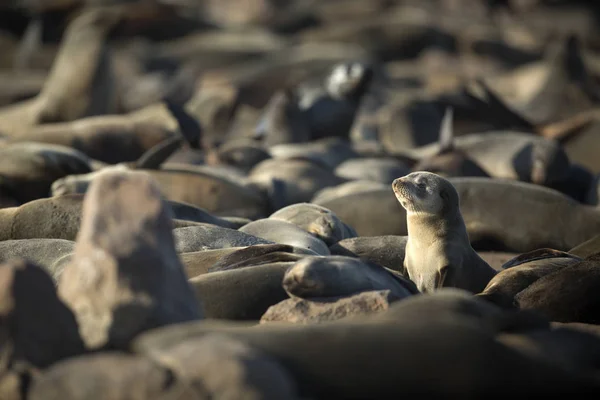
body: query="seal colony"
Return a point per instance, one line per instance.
(299, 200)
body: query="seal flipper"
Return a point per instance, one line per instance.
(153, 158)
(190, 132)
(441, 276)
(498, 110)
(189, 127)
(446, 140)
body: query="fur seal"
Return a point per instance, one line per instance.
(348, 188)
(332, 112)
(539, 216)
(109, 138)
(243, 156)
(387, 251)
(283, 232)
(375, 169)
(290, 181)
(587, 248)
(50, 254)
(521, 272)
(449, 160)
(438, 250)
(282, 121)
(316, 220)
(567, 295)
(28, 169)
(497, 259)
(222, 259)
(368, 207)
(242, 293)
(59, 218)
(204, 188)
(208, 237)
(329, 359)
(337, 276)
(72, 92)
(508, 155)
(329, 152)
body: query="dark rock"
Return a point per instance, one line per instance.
(296, 310)
(125, 276)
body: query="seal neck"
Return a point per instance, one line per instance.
(430, 227)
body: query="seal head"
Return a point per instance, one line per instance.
(425, 193)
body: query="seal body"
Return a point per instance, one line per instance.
(438, 251)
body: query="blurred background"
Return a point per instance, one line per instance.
(223, 60)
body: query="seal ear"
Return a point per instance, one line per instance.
(444, 195)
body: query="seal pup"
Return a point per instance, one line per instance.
(438, 250)
(316, 220)
(339, 276)
(538, 216)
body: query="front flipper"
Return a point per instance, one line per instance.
(441, 275)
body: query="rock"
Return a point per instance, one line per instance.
(113, 376)
(297, 310)
(125, 276)
(226, 369)
(36, 328)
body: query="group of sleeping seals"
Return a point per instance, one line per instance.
(224, 213)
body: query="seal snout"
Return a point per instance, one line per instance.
(300, 279)
(401, 187)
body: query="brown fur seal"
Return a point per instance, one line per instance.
(79, 83)
(59, 218)
(569, 294)
(330, 359)
(438, 251)
(523, 271)
(109, 138)
(28, 169)
(339, 276)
